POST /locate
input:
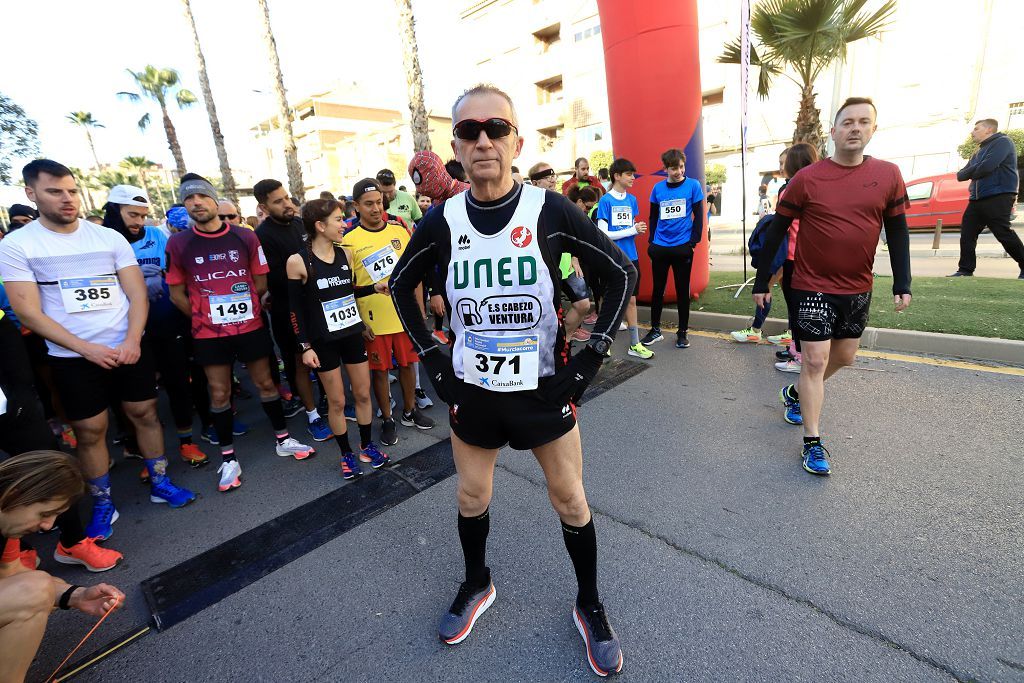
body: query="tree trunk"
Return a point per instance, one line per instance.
(413, 78)
(808, 122)
(211, 109)
(88, 135)
(172, 141)
(291, 156)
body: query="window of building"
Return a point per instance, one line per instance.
(712, 97)
(549, 90)
(586, 136)
(1016, 118)
(587, 33)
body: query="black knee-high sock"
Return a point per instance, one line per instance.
(473, 536)
(343, 444)
(223, 423)
(275, 413)
(365, 434)
(581, 542)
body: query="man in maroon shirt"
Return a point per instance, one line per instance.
(582, 178)
(217, 273)
(842, 203)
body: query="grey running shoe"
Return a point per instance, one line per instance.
(469, 604)
(603, 652)
(417, 419)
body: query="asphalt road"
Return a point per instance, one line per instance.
(720, 558)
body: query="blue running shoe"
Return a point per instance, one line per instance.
(792, 414)
(167, 492)
(239, 428)
(373, 456)
(350, 468)
(319, 429)
(603, 651)
(209, 435)
(350, 413)
(815, 461)
(104, 514)
(469, 604)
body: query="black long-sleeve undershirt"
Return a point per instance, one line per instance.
(897, 235)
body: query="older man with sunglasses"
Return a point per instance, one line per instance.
(509, 379)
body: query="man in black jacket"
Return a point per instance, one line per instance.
(994, 183)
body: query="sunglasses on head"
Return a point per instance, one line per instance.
(227, 216)
(540, 175)
(469, 129)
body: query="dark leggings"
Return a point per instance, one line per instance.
(185, 388)
(23, 427)
(680, 260)
(787, 292)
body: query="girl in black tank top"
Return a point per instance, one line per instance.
(326, 321)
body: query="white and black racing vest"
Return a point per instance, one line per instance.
(502, 298)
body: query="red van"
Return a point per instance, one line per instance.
(937, 196)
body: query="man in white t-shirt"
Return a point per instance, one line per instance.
(79, 286)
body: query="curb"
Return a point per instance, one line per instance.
(1007, 351)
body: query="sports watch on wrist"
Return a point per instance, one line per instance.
(303, 346)
(601, 346)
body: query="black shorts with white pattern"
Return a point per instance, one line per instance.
(820, 317)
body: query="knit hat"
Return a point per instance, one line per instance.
(22, 210)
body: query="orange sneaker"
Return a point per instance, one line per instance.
(29, 558)
(89, 555)
(67, 435)
(144, 475)
(191, 454)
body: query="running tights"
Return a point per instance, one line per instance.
(680, 260)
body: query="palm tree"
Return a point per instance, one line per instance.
(109, 179)
(211, 109)
(805, 37)
(140, 165)
(291, 156)
(413, 78)
(158, 84)
(86, 184)
(86, 121)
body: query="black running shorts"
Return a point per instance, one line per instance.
(820, 317)
(520, 419)
(244, 348)
(574, 288)
(350, 350)
(86, 389)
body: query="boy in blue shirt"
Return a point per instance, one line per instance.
(616, 217)
(676, 228)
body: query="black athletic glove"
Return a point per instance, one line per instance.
(439, 370)
(569, 383)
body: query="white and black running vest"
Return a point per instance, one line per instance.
(502, 299)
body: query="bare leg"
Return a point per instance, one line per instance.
(407, 380)
(381, 392)
(335, 388)
(475, 469)
(26, 600)
(148, 432)
(359, 378)
(821, 360)
(92, 444)
(562, 462)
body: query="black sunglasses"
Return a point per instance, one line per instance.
(469, 129)
(227, 216)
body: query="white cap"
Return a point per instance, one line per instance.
(128, 194)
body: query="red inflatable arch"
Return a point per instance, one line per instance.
(654, 100)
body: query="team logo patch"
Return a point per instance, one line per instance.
(234, 255)
(522, 236)
(199, 260)
(322, 283)
(397, 244)
(374, 357)
(240, 288)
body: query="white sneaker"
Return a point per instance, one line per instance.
(230, 472)
(788, 366)
(291, 447)
(422, 400)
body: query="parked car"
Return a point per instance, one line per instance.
(934, 197)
